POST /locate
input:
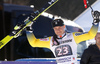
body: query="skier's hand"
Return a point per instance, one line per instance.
(29, 28)
(96, 16)
(19, 34)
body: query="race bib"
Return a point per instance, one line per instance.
(63, 50)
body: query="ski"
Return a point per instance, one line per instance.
(20, 27)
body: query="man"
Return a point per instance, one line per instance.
(92, 54)
(63, 44)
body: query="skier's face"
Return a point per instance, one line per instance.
(97, 38)
(59, 30)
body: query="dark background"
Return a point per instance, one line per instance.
(69, 9)
(19, 47)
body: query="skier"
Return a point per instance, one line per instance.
(63, 44)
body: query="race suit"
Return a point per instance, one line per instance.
(66, 51)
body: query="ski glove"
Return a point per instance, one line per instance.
(29, 28)
(96, 16)
(19, 34)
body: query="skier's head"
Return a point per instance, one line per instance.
(58, 26)
(57, 22)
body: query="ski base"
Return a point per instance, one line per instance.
(5, 40)
(26, 23)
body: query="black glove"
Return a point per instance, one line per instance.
(96, 16)
(29, 28)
